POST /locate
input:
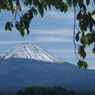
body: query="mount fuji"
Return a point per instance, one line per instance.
(28, 51)
(28, 65)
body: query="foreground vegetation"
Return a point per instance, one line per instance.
(43, 91)
(48, 91)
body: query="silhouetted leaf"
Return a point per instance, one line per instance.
(93, 12)
(93, 50)
(8, 26)
(77, 36)
(87, 2)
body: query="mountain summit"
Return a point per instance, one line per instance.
(28, 51)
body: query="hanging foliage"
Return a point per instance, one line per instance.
(84, 29)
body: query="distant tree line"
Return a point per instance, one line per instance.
(43, 91)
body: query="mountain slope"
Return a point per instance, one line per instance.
(16, 74)
(28, 51)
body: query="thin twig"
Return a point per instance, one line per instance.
(74, 32)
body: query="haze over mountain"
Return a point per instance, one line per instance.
(21, 68)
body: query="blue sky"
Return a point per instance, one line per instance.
(53, 33)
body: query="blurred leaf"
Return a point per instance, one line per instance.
(93, 12)
(28, 2)
(82, 64)
(85, 65)
(40, 9)
(63, 7)
(8, 26)
(75, 3)
(93, 50)
(87, 2)
(88, 38)
(77, 36)
(81, 52)
(69, 2)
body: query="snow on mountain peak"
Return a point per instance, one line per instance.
(30, 51)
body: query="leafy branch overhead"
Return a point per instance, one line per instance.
(84, 23)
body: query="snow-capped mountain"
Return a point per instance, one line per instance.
(29, 51)
(20, 68)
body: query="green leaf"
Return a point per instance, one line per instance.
(40, 9)
(80, 3)
(82, 64)
(81, 52)
(69, 2)
(28, 2)
(88, 38)
(93, 12)
(63, 7)
(22, 33)
(8, 26)
(79, 15)
(85, 65)
(87, 2)
(93, 50)
(77, 36)
(43, 3)
(75, 3)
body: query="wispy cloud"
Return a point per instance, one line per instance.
(40, 40)
(52, 39)
(62, 50)
(39, 36)
(64, 32)
(12, 42)
(60, 15)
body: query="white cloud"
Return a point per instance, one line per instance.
(52, 39)
(64, 32)
(40, 40)
(42, 36)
